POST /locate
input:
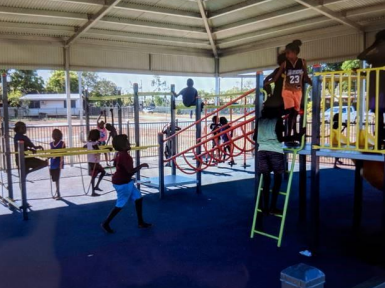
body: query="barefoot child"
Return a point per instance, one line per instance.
(31, 164)
(123, 183)
(57, 163)
(94, 166)
(294, 70)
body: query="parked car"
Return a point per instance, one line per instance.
(148, 110)
(344, 113)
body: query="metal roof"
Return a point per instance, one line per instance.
(46, 97)
(204, 28)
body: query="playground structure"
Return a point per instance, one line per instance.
(336, 144)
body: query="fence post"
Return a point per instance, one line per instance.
(120, 116)
(161, 165)
(22, 175)
(137, 132)
(315, 178)
(87, 110)
(173, 142)
(6, 135)
(128, 130)
(198, 135)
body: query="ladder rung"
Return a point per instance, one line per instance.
(266, 234)
(280, 193)
(276, 215)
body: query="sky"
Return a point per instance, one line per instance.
(124, 81)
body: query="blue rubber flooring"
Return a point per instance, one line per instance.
(197, 241)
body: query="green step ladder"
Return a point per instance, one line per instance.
(286, 193)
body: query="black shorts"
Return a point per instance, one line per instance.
(271, 162)
(94, 169)
(55, 174)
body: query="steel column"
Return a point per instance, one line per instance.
(358, 196)
(198, 135)
(120, 116)
(68, 93)
(302, 165)
(161, 165)
(7, 149)
(315, 140)
(137, 132)
(173, 140)
(258, 108)
(23, 176)
(87, 110)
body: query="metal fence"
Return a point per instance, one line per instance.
(42, 135)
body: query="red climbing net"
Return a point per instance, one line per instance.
(215, 147)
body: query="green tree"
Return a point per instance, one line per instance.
(105, 87)
(350, 65)
(26, 81)
(56, 82)
(90, 80)
(158, 100)
(14, 98)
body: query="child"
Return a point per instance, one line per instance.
(189, 94)
(226, 137)
(275, 96)
(57, 163)
(269, 135)
(123, 183)
(169, 149)
(103, 132)
(214, 127)
(94, 166)
(113, 133)
(294, 70)
(31, 164)
(336, 118)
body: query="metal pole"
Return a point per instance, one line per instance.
(137, 134)
(128, 131)
(173, 140)
(161, 165)
(302, 165)
(258, 108)
(358, 196)
(6, 136)
(217, 82)
(23, 176)
(68, 92)
(81, 105)
(198, 135)
(120, 116)
(315, 140)
(87, 110)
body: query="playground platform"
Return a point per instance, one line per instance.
(197, 240)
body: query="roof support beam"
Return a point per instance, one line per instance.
(207, 26)
(91, 22)
(283, 13)
(139, 7)
(329, 13)
(83, 18)
(236, 8)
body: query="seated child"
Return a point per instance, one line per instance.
(123, 183)
(31, 164)
(189, 94)
(269, 136)
(94, 166)
(226, 137)
(57, 163)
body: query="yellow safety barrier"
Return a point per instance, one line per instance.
(77, 151)
(345, 94)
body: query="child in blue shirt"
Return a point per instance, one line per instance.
(57, 163)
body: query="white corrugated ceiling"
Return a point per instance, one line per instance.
(177, 27)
